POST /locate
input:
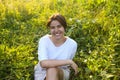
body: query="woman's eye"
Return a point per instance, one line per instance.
(59, 26)
(52, 27)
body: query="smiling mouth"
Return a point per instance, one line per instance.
(57, 34)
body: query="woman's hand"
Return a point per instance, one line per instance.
(74, 66)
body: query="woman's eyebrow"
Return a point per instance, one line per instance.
(56, 25)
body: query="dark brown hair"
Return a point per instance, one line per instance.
(59, 18)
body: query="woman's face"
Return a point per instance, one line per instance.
(57, 30)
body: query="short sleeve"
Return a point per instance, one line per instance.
(42, 50)
(74, 49)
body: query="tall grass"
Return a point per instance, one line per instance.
(94, 24)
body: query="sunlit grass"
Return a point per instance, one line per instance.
(94, 24)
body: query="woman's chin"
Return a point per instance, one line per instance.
(57, 37)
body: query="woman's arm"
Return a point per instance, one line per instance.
(56, 63)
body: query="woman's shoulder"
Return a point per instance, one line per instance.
(44, 38)
(71, 41)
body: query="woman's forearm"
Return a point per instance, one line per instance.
(55, 63)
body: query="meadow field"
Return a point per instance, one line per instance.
(93, 24)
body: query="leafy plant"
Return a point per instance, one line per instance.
(93, 24)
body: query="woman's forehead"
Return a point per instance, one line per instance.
(54, 23)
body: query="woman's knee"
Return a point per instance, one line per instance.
(52, 70)
(56, 72)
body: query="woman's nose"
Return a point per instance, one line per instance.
(56, 29)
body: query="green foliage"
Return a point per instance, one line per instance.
(94, 24)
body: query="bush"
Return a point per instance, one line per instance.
(95, 25)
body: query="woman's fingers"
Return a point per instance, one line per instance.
(75, 67)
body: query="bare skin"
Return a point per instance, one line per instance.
(54, 74)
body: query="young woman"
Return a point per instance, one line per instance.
(55, 52)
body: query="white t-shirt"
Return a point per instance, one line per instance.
(47, 49)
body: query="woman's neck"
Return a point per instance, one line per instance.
(58, 42)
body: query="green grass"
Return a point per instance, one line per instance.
(94, 24)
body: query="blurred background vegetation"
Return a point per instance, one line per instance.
(94, 24)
